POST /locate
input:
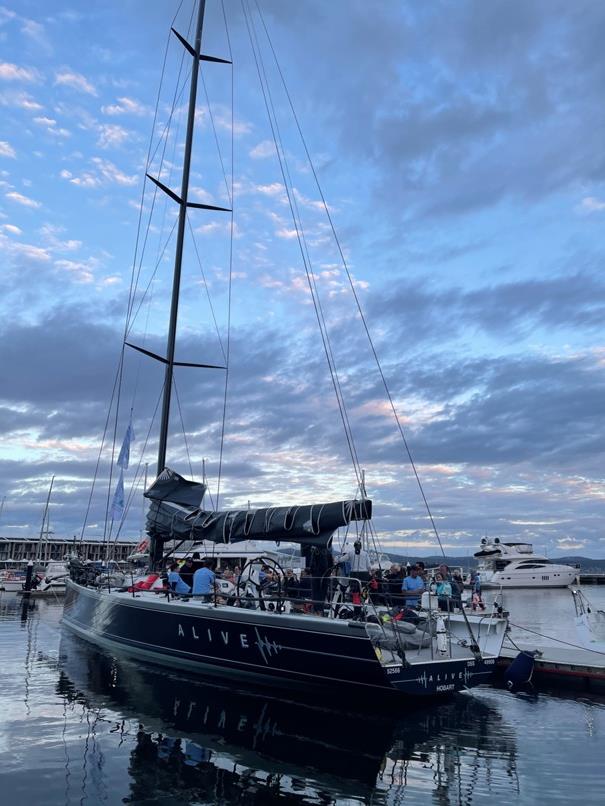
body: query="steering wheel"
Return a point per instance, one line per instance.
(250, 576)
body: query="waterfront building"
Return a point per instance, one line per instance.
(56, 548)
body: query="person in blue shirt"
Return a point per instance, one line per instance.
(203, 582)
(175, 582)
(412, 587)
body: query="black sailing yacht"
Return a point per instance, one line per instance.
(363, 651)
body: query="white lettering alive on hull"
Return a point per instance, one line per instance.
(442, 677)
(266, 647)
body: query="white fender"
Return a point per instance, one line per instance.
(441, 636)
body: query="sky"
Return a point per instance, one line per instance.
(459, 148)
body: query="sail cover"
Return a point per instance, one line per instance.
(169, 518)
(169, 486)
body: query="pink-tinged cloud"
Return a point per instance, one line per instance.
(14, 72)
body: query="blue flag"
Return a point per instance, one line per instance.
(117, 505)
(124, 457)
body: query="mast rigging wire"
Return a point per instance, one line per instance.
(352, 285)
(135, 274)
(300, 238)
(230, 284)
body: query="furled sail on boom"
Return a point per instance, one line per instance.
(176, 514)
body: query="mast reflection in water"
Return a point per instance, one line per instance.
(197, 742)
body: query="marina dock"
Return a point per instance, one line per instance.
(563, 667)
(591, 579)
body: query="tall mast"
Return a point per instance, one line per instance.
(178, 258)
(44, 520)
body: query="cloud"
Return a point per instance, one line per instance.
(590, 204)
(85, 179)
(29, 252)
(20, 100)
(262, 150)
(450, 112)
(419, 312)
(51, 126)
(274, 189)
(113, 174)
(19, 198)
(491, 459)
(6, 14)
(14, 72)
(111, 135)
(51, 235)
(6, 150)
(35, 31)
(14, 230)
(103, 173)
(81, 270)
(125, 106)
(77, 81)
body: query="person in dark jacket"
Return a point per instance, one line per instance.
(393, 582)
(305, 589)
(457, 591)
(290, 585)
(187, 571)
(319, 561)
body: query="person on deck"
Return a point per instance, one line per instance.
(197, 562)
(318, 561)
(443, 589)
(421, 571)
(457, 591)
(394, 581)
(412, 587)
(187, 571)
(358, 560)
(476, 601)
(445, 572)
(175, 581)
(203, 582)
(305, 590)
(290, 585)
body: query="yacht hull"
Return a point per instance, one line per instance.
(276, 649)
(515, 579)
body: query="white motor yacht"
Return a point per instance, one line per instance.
(515, 565)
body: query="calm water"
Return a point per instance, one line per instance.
(79, 726)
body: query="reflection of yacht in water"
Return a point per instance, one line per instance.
(190, 738)
(515, 565)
